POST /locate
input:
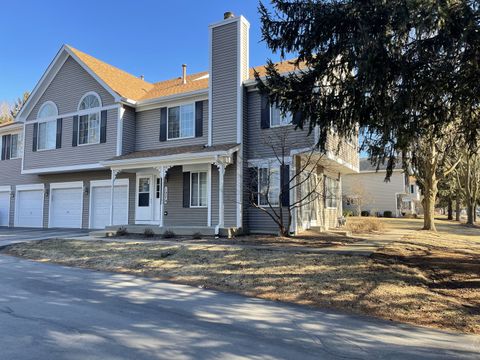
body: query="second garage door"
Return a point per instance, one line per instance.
(29, 206)
(100, 204)
(66, 203)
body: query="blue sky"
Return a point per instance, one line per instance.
(152, 38)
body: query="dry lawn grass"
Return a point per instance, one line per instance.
(385, 286)
(362, 225)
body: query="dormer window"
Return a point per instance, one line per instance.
(47, 126)
(89, 123)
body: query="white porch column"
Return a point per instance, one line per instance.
(221, 164)
(162, 173)
(112, 193)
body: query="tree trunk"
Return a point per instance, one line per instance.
(457, 208)
(450, 209)
(470, 210)
(429, 210)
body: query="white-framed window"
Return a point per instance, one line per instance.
(47, 130)
(16, 145)
(331, 192)
(181, 122)
(47, 135)
(268, 186)
(89, 124)
(277, 119)
(198, 189)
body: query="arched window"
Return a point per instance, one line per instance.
(90, 101)
(89, 123)
(47, 130)
(48, 109)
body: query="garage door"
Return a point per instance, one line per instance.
(66, 207)
(29, 211)
(4, 208)
(100, 206)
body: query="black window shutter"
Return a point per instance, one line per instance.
(297, 119)
(7, 147)
(4, 147)
(285, 184)
(163, 124)
(75, 131)
(186, 189)
(59, 134)
(265, 112)
(35, 137)
(253, 177)
(103, 126)
(199, 119)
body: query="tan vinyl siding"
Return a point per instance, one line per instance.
(378, 194)
(259, 140)
(69, 155)
(224, 82)
(147, 128)
(67, 88)
(129, 131)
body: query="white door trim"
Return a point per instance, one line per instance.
(64, 185)
(19, 188)
(107, 183)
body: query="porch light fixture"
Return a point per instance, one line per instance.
(86, 189)
(12, 194)
(46, 193)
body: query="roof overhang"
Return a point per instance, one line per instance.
(188, 158)
(8, 128)
(149, 104)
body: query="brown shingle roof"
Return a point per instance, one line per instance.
(188, 149)
(123, 83)
(132, 87)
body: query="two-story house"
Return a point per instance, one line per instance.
(369, 191)
(95, 146)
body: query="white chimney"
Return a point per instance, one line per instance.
(184, 73)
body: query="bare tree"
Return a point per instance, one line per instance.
(431, 159)
(5, 115)
(271, 184)
(468, 178)
(357, 196)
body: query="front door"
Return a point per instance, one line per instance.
(144, 203)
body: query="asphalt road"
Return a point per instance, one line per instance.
(53, 312)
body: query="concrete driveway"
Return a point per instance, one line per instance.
(10, 235)
(53, 312)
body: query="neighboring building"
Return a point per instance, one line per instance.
(369, 191)
(95, 146)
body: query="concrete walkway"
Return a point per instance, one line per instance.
(53, 312)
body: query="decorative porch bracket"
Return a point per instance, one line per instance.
(162, 173)
(112, 193)
(221, 162)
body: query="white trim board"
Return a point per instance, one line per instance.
(70, 168)
(71, 114)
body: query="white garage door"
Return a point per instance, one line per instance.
(4, 208)
(100, 206)
(29, 211)
(66, 207)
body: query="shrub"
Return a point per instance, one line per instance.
(365, 213)
(122, 231)
(387, 214)
(197, 236)
(148, 233)
(168, 234)
(356, 225)
(347, 213)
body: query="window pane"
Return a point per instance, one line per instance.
(186, 120)
(47, 110)
(144, 185)
(47, 135)
(203, 189)
(14, 146)
(274, 192)
(93, 129)
(83, 129)
(89, 102)
(174, 122)
(143, 200)
(276, 118)
(268, 186)
(194, 190)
